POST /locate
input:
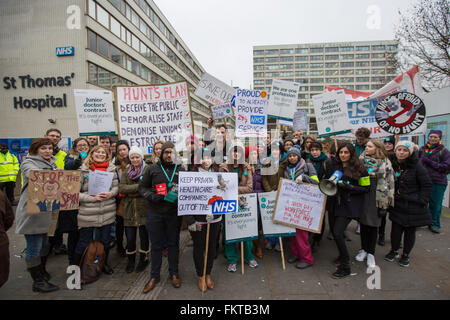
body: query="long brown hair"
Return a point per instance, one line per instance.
(380, 150)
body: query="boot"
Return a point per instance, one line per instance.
(106, 268)
(121, 250)
(131, 262)
(143, 262)
(342, 271)
(258, 248)
(39, 283)
(46, 276)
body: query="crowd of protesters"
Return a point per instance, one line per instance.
(380, 179)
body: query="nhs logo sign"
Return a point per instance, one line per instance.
(224, 206)
(65, 51)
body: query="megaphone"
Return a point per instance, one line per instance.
(329, 186)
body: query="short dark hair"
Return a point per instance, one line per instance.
(363, 132)
(37, 143)
(315, 144)
(53, 129)
(223, 125)
(105, 137)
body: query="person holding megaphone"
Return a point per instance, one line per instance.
(352, 181)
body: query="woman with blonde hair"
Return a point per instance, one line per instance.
(156, 151)
(96, 211)
(377, 200)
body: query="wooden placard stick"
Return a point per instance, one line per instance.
(242, 256)
(206, 254)
(282, 253)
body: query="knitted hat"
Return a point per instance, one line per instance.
(407, 144)
(165, 146)
(438, 132)
(390, 139)
(295, 150)
(136, 150)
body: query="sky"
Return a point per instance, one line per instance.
(221, 33)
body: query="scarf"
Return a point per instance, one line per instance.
(99, 166)
(382, 170)
(430, 148)
(317, 162)
(291, 169)
(133, 173)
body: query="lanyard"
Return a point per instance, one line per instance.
(292, 174)
(170, 181)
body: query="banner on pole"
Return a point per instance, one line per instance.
(251, 113)
(270, 229)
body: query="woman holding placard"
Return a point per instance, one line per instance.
(352, 186)
(245, 181)
(197, 226)
(300, 171)
(97, 210)
(378, 199)
(35, 226)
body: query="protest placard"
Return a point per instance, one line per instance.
(283, 99)
(147, 114)
(99, 182)
(270, 229)
(251, 113)
(213, 90)
(95, 112)
(243, 225)
(331, 113)
(207, 192)
(53, 190)
(300, 120)
(222, 111)
(301, 206)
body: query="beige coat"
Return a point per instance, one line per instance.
(245, 180)
(94, 213)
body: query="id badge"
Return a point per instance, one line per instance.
(161, 189)
(171, 196)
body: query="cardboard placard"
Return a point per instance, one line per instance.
(213, 90)
(301, 206)
(53, 190)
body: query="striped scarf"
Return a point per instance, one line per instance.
(133, 173)
(430, 148)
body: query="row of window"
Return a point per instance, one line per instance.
(131, 15)
(109, 22)
(326, 49)
(344, 86)
(321, 65)
(327, 80)
(322, 57)
(104, 78)
(343, 72)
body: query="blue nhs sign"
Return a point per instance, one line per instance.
(224, 206)
(65, 51)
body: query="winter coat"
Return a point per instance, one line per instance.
(147, 188)
(245, 178)
(6, 221)
(257, 181)
(134, 205)
(437, 164)
(413, 189)
(306, 169)
(318, 164)
(269, 175)
(32, 223)
(92, 213)
(326, 171)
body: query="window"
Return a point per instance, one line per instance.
(316, 65)
(271, 67)
(259, 67)
(316, 50)
(92, 11)
(316, 80)
(258, 74)
(103, 46)
(378, 55)
(378, 48)
(301, 65)
(301, 73)
(123, 34)
(301, 58)
(286, 66)
(116, 55)
(332, 65)
(376, 86)
(332, 49)
(362, 71)
(103, 17)
(348, 86)
(272, 52)
(134, 18)
(362, 79)
(302, 80)
(104, 78)
(331, 72)
(286, 59)
(303, 96)
(363, 56)
(92, 40)
(287, 74)
(144, 73)
(316, 58)
(346, 72)
(304, 88)
(332, 57)
(347, 49)
(347, 79)
(378, 63)
(93, 73)
(258, 52)
(347, 64)
(301, 50)
(378, 71)
(272, 74)
(378, 79)
(363, 64)
(269, 81)
(286, 51)
(362, 48)
(316, 73)
(144, 27)
(347, 56)
(391, 47)
(135, 43)
(332, 80)
(129, 38)
(316, 88)
(256, 60)
(258, 82)
(115, 26)
(135, 66)
(363, 87)
(274, 59)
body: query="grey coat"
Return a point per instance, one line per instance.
(38, 223)
(94, 213)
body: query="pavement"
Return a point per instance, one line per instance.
(427, 277)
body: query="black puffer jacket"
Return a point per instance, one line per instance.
(412, 193)
(153, 177)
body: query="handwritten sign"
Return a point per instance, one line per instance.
(53, 190)
(300, 206)
(147, 114)
(213, 90)
(267, 202)
(300, 120)
(283, 99)
(251, 113)
(207, 192)
(95, 112)
(222, 111)
(243, 226)
(331, 113)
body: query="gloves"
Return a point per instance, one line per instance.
(196, 226)
(344, 185)
(209, 218)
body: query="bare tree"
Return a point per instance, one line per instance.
(424, 38)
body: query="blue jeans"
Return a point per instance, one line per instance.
(35, 243)
(87, 235)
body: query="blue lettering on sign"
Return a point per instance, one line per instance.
(224, 206)
(150, 150)
(65, 51)
(257, 119)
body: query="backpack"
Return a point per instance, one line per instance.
(440, 160)
(92, 262)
